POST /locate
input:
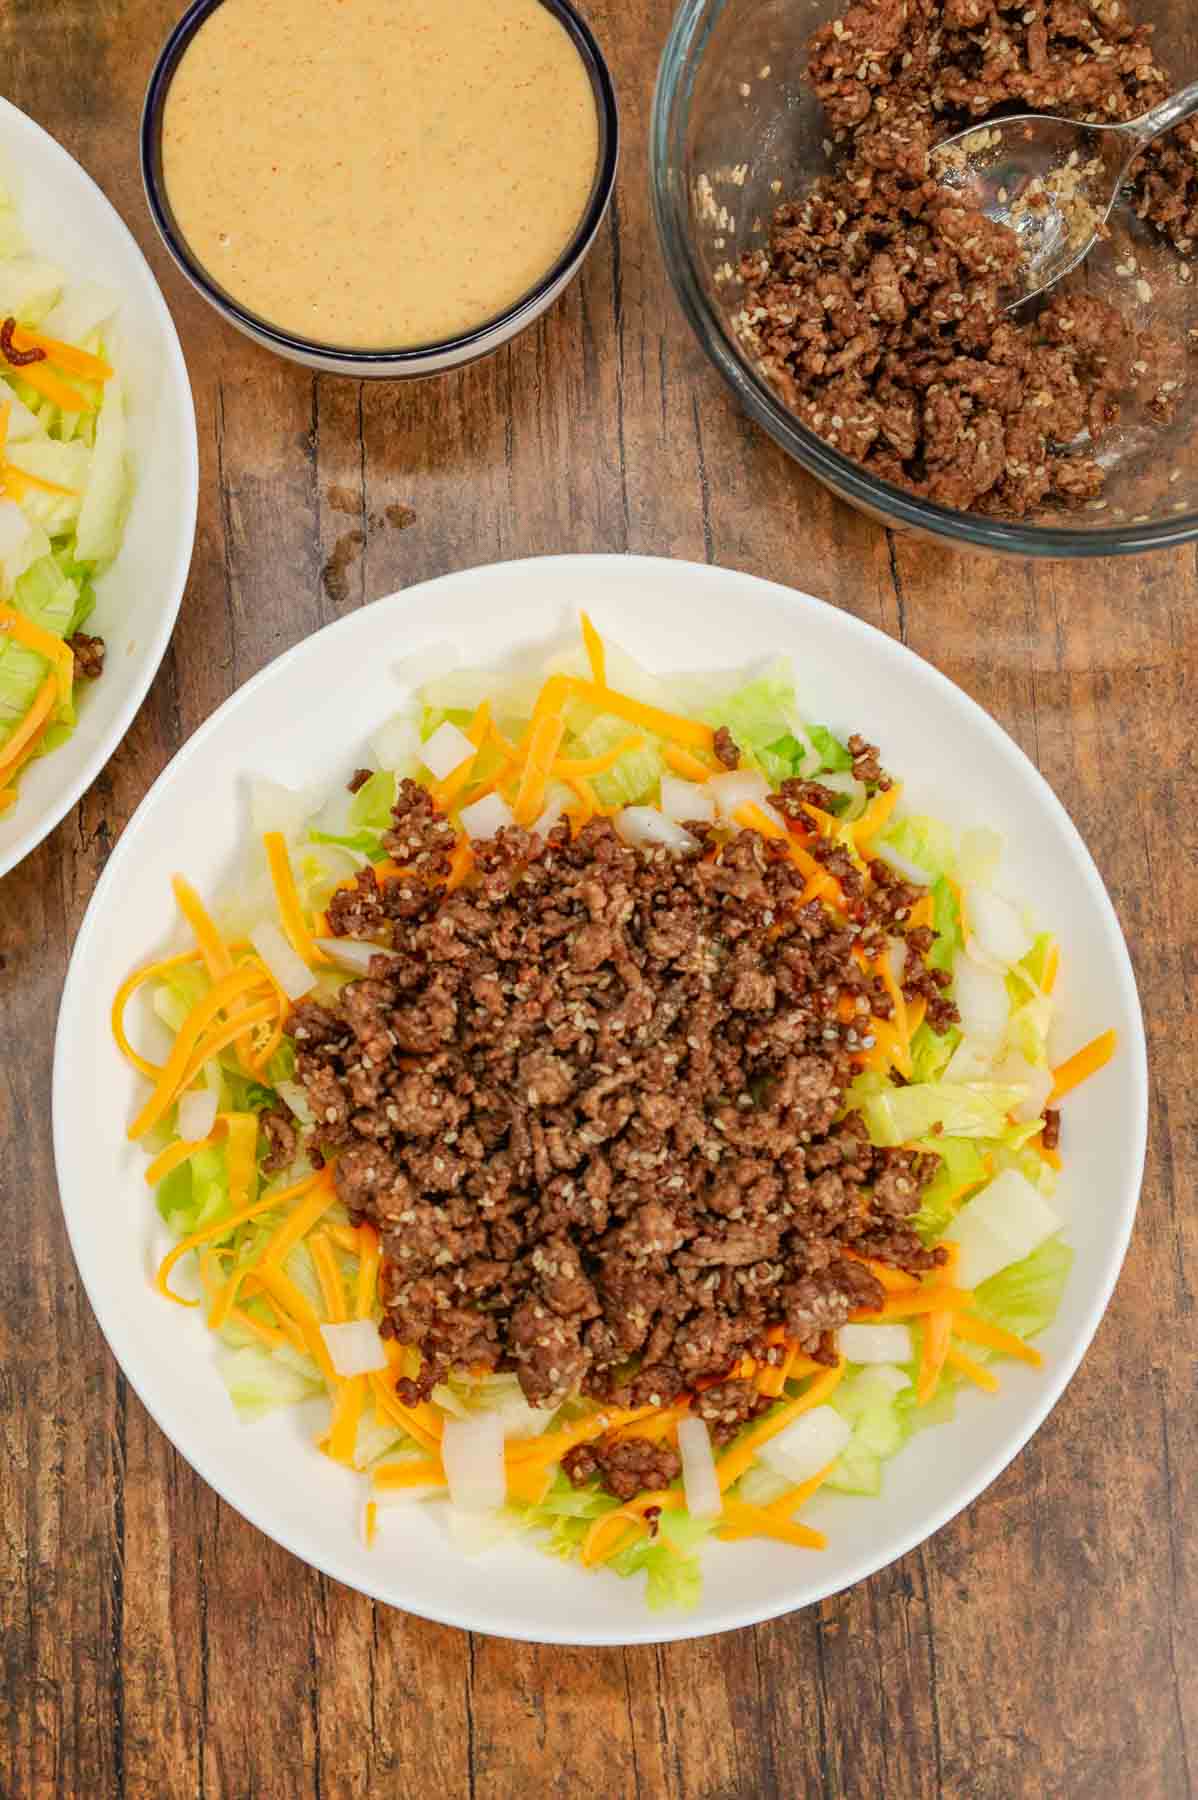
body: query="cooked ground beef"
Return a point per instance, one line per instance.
(875, 310)
(591, 1102)
(282, 1139)
(89, 655)
(1051, 1135)
(358, 780)
(726, 749)
(624, 1468)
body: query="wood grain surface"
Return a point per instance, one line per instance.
(155, 1645)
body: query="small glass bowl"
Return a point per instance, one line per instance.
(423, 359)
(733, 106)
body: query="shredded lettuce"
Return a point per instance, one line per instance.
(259, 1381)
(974, 1109)
(1024, 1298)
(834, 758)
(963, 1166)
(761, 715)
(927, 843)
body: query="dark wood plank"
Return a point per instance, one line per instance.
(1041, 1645)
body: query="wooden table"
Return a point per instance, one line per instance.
(154, 1645)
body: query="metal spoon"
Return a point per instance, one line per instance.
(1053, 181)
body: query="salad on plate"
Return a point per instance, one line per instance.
(614, 1115)
(63, 493)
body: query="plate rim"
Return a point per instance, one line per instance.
(62, 803)
(1057, 1377)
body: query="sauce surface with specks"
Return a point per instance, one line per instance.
(379, 174)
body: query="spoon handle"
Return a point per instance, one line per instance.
(1164, 117)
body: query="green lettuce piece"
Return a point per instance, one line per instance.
(101, 516)
(1036, 960)
(195, 1193)
(1024, 1298)
(259, 1381)
(362, 843)
(48, 599)
(946, 923)
(927, 843)
(371, 807)
(962, 1165)
(674, 1574)
(759, 715)
(634, 780)
(879, 1431)
(973, 1109)
(834, 757)
(931, 1050)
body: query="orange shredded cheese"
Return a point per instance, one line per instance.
(596, 654)
(66, 356)
(875, 815)
(1084, 1063)
(289, 907)
(734, 1462)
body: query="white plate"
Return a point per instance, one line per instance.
(305, 719)
(68, 221)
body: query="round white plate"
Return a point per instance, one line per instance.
(305, 719)
(68, 221)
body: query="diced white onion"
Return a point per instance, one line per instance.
(686, 800)
(997, 926)
(808, 1445)
(197, 1114)
(647, 829)
(887, 1376)
(982, 1000)
(486, 817)
(736, 788)
(354, 1348)
(397, 742)
(446, 750)
(896, 957)
(876, 1343)
(290, 971)
(1016, 1071)
(426, 665)
(699, 1479)
(350, 953)
(472, 1452)
(295, 1099)
(1003, 1224)
(908, 870)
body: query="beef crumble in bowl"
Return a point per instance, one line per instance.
(633, 1116)
(855, 304)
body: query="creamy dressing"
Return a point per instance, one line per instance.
(379, 174)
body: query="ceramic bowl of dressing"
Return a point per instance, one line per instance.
(391, 190)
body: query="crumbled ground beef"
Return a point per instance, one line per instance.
(592, 1101)
(1051, 1135)
(89, 655)
(625, 1467)
(358, 780)
(876, 309)
(725, 748)
(282, 1139)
